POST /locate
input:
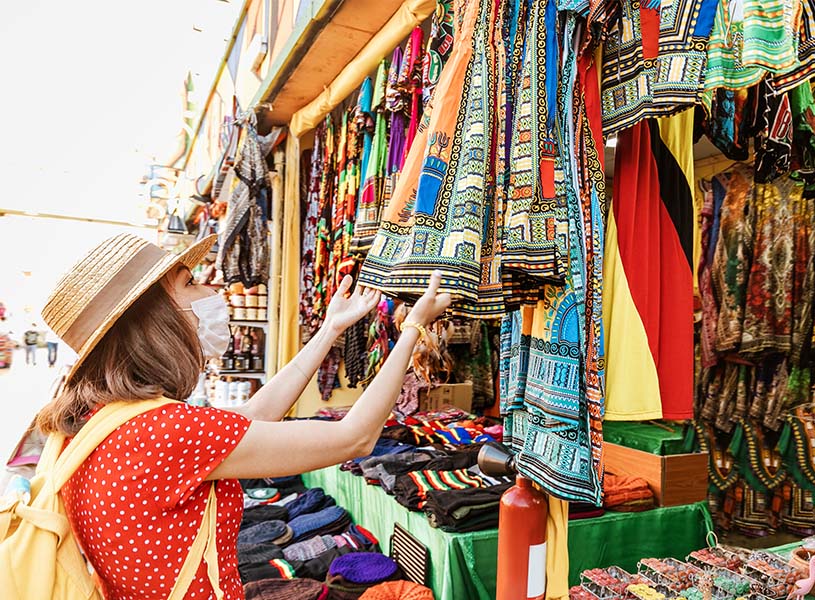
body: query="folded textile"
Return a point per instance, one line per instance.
(310, 548)
(310, 501)
(587, 514)
(274, 569)
(249, 502)
(329, 521)
(364, 568)
(411, 489)
(397, 590)
(252, 554)
(461, 511)
(264, 512)
(385, 469)
(383, 447)
(621, 490)
(285, 589)
(358, 538)
(267, 531)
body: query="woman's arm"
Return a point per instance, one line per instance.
(289, 448)
(274, 400)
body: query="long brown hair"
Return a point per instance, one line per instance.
(151, 351)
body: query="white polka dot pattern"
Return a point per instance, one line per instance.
(137, 502)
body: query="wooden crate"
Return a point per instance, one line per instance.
(675, 480)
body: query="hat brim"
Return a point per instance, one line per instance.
(189, 258)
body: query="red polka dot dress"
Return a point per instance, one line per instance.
(137, 502)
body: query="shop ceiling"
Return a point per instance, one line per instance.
(317, 51)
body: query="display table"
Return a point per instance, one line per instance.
(463, 565)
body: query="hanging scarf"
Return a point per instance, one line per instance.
(244, 248)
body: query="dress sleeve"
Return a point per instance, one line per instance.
(173, 449)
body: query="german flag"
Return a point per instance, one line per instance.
(648, 295)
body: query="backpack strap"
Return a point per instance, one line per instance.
(204, 547)
(93, 433)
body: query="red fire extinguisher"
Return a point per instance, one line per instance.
(521, 531)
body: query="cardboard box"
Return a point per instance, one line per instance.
(675, 480)
(459, 395)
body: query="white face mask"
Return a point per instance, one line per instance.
(213, 325)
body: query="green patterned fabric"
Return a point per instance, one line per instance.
(463, 565)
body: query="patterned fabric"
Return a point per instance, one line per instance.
(439, 215)
(804, 68)
(535, 226)
(243, 254)
(370, 202)
(767, 324)
(322, 251)
(307, 290)
(439, 47)
(803, 284)
(731, 264)
(410, 81)
(654, 61)
(750, 39)
(710, 309)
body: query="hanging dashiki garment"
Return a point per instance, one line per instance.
(804, 68)
(439, 47)
(307, 290)
(751, 39)
(440, 215)
(654, 60)
(649, 254)
(768, 307)
(730, 117)
(370, 201)
(535, 244)
(713, 195)
(797, 447)
(731, 258)
(803, 287)
(757, 514)
(722, 472)
(558, 430)
(243, 254)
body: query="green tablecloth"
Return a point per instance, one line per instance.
(464, 565)
(648, 437)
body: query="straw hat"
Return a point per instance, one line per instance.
(90, 297)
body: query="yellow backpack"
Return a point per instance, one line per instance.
(39, 557)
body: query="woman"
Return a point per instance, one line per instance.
(142, 328)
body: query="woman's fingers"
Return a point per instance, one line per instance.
(345, 285)
(434, 283)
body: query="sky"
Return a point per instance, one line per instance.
(91, 95)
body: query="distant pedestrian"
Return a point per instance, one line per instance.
(52, 341)
(31, 338)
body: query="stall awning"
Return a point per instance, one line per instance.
(328, 56)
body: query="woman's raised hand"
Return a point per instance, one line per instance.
(346, 309)
(431, 305)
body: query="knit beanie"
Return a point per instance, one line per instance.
(284, 589)
(268, 531)
(364, 568)
(307, 524)
(397, 590)
(264, 512)
(258, 553)
(307, 502)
